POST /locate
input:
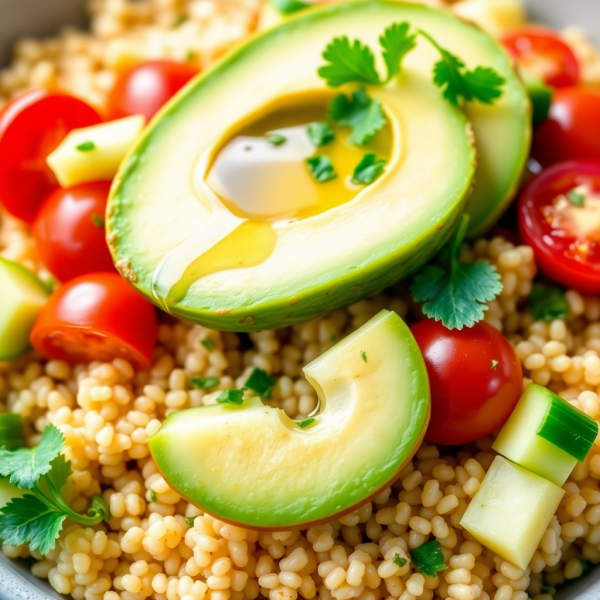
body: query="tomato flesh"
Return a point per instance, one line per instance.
(31, 127)
(144, 88)
(475, 379)
(565, 237)
(98, 316)
(69, 231)
(572, 130)
(542, 52)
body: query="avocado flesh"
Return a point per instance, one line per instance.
(324, 262)
(253, 466)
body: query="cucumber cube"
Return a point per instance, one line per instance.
(511, 511)
(546, 435)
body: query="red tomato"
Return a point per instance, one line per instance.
(475, 379)
(96, 317)
(31, 126)
(143, 89)
(572, 129)
(565, 237)
(69, 231)
(542, 52)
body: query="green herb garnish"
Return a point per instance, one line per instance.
(231, 397)
(287, 7)
(320, 133)
(208, 344)
(548, 302)
(191, 55)
(363, 355)
(98, 221)
(362, 114)
(368, 170)
(398, 560)
(453, 292)
(495, 364)
(548, 589)
(180, 20)
(86, 147)
(37, 518)
(428, 558)
(321, 169)
(260, 383)
(189, 521)
(576, 197)
(306, 422)
(152, 495)
(201, 383)
(276, 139)
(348, 62)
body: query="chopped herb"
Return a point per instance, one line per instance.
(306, 422)
(398, 560)
(397, 42)
(260, 383)
(548, 589)
(368, 169)
(189, 521)
(320, 133)
(180, 20)
(453, 292)
(201, 383)
(576, 197)
(86, 147)
(428, 558)
(231, 397)
(287, 7)
(191, 55)
(495, 364)
(363, 355)
(276, 139)
(152, 495)
(585, 565)
(548, 302)
(98, 221)
(37, 517)
(348, 62)
(208, 344)
(362, 114)
(321, 169)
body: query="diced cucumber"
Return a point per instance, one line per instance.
(511, 511)
(94, 153)
(8, 491)
(12, 435)
(546, 435)
(540, 95)
(21, 298)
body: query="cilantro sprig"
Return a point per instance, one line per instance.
(453, 292)
(349, 61)
(428, 558)
(37, 517)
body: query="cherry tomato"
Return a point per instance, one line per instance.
(565, 233)
(98, 316)
(572, 129)
(544, 54)
(143, 89)
(475, 379)
(31, 126)
(69, 231)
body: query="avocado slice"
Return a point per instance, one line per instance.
(22, 297)
(254, 466)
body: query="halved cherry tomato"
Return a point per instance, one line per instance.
(542, 52)
(69, 231)
(475, 379)
(96, 317)
(143, 89)
(572, 130)
(31, 127)
(565, 233)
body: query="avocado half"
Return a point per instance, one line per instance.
(384, 234)
(252, 465)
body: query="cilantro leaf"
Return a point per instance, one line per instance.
(455, 293)
(398, 560)
(348, 62)
(321, 168)
(208, 344)
(368, 170)
(276, 139)
(362, 114)
(260, 383)
(189, 521)
(26, 465)
(548, 302)
(98, 221)
(28, 519)
(306, 422)
(446, 75)
(428, 558)
(202, 383)
(363, 355)
(85, 146)
(320, 133)
(483, 84)
(231, 397)
(287, 7)
(397, 42)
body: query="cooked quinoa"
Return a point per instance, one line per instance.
(160, 546)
